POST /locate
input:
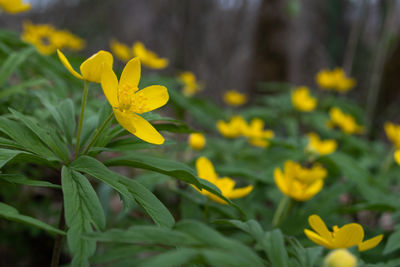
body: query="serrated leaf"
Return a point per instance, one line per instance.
(20, 179)
(12, 214)
(9, 155)
(126, 187)
(82, 209)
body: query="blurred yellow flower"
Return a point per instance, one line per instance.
(226, 185)
(397, 156)
(148, 58)
(340, 258)
(347, 236)
(335, 80)
(393, 133)
(128, 101)
(234, 98)
(316, 145)
(232, 129)
(92, 68)
(256, 134)
(302, 100)
(190, 84)
(344, 121)
(299, 183)
(14, 6)
(48, 39)
(120, 50)
(197, 141)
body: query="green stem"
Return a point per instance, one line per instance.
(55, 259)
(206, 209)
(78, 136)
(99, 131)
(281, 211)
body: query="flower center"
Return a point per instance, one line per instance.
(129, 101)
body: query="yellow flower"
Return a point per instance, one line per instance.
(299, 183)
(197, 141)
(302, 100)
(234, 98)
(316, 145)
(347, 236)
(120, 50)
(232, 129)
(226, 185)
(128, 101)
(340, 258)
(393, 133)
(148, 58)
(190, 84)
(48, 39)
(397, 156)
(92, 68)
(256, 134)
(335, 80)
(344, 121)
(14, 6)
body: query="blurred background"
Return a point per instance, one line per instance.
(235, 44)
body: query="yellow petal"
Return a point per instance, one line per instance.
(92, 68)
(139, 127)
(152, 97)
(67, 65)
(370, 243)
(131, 74)
(225, 185)
(240, 192)
(317, 239)
(280, 181)
(397, 156)
(349, 235)
(205, 169)
(313, 189)
(318, 225)
(109, 83)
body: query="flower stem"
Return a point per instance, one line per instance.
(99, 131)
(281, 211)
(78, 136)
(55, 259)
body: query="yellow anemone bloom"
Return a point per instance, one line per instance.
(347, 236)
(299, 183)
(335, 80)
(232, 129)
(256, 134)
(302, 100)
(226, 185)
(148, 58)
(234, 98)
(397, 156)
(197, 141)
(128, 101)
(190, 84)
(344, 121)
(340, 258)
(14, 6)
(321, 147)
(120, 50)
(393, 133)
(92, 68)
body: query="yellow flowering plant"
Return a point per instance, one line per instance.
(226, 185)
(320, 147)
(190, 84)
(302, 101)
(346, 236)
(197, 141)
(148, 58)
(335, 79)
(234, 98)
(344, 121)
(14, 6)
(120, 50)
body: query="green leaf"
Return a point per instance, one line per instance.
(393, 242)
(13, 61)
(127, 188)
(44, 133)
(274, 246)
(12, 214)
(252, 227)
(20, 88)
(24, 137)
(20, 179)
(179, 257)
(82, 209)
(8, 156)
